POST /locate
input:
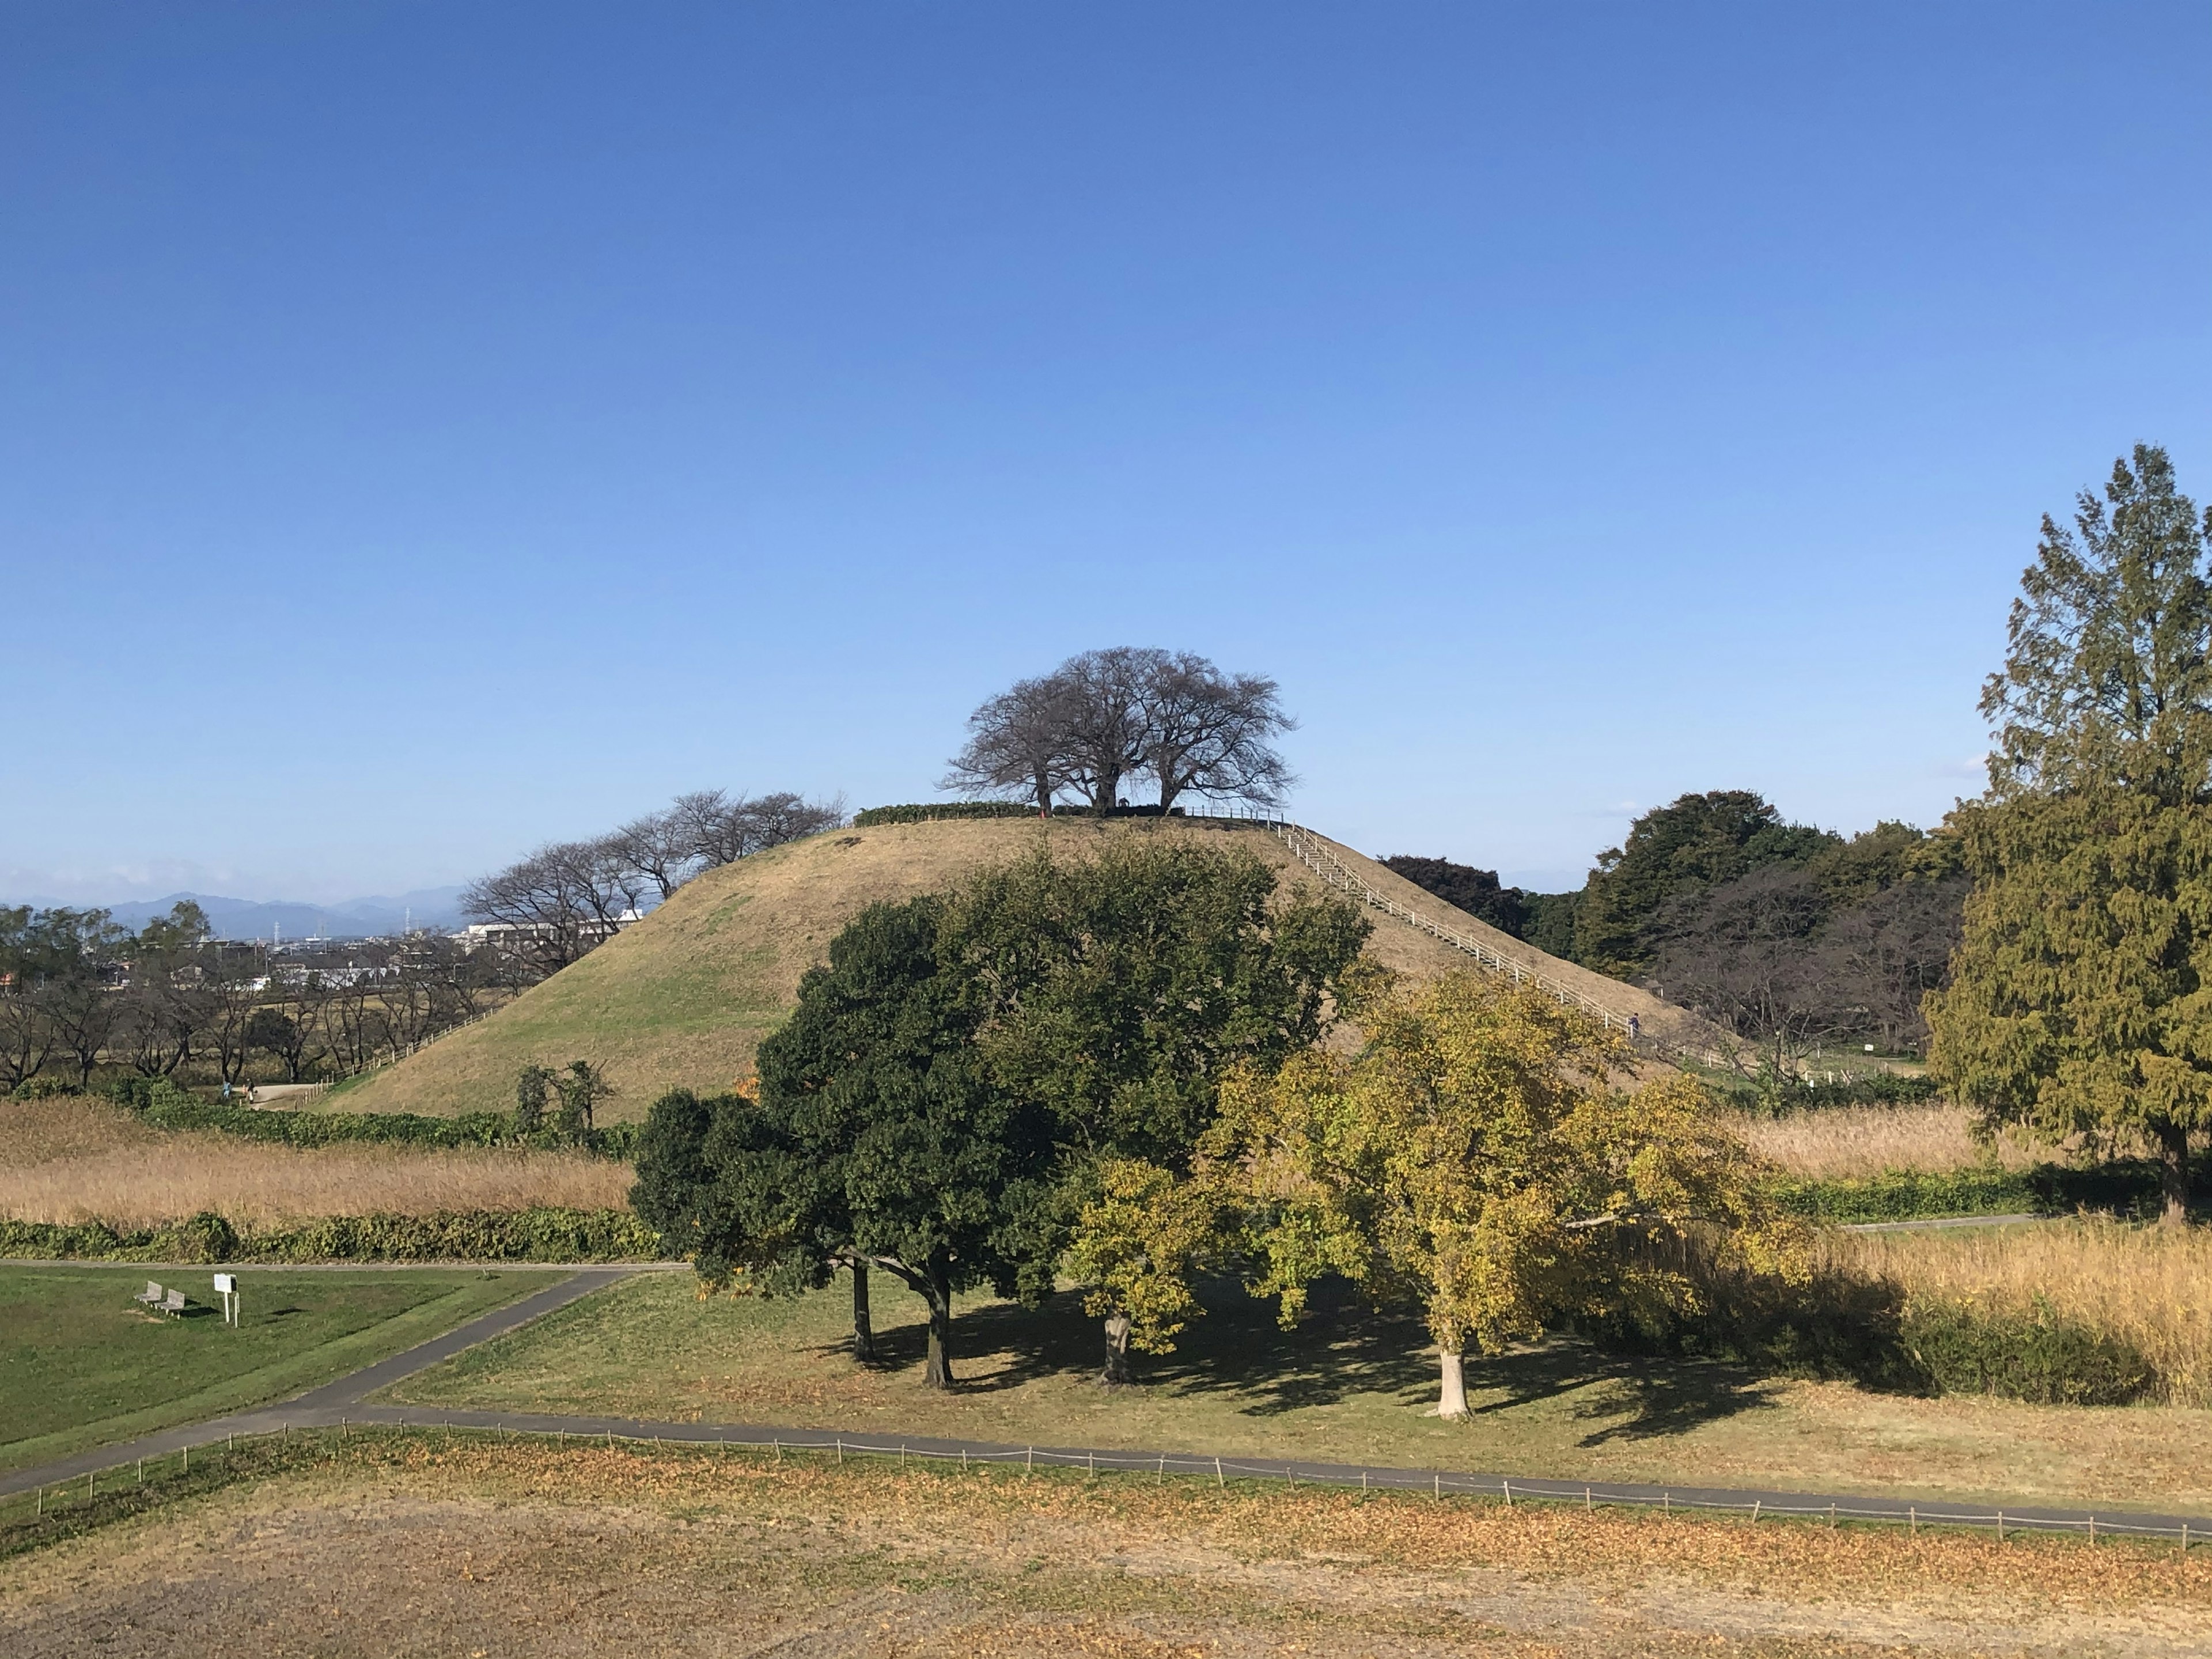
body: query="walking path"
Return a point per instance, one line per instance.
(340, 1402)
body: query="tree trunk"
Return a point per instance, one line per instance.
(1452, 1400)
(1117, 1348)
(864, 1329)
(2174, 1172)
(937, 1374)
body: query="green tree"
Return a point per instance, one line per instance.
(533, 1088)
(1115, 992)
(914, 1161)
(1474, 1160)
(2080, 994)
(581, 1088)
(1696, 841)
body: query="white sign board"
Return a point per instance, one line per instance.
(225, 1284)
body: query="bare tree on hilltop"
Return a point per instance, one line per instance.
(1103, 717)
(567, 896)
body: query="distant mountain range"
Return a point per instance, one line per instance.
(361, 918)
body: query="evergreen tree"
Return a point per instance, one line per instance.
(2081, 999)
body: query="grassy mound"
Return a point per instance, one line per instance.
(683, 998)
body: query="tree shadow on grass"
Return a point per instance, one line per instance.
(1637, 1397)
(1342, 1349)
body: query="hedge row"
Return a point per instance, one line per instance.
(534, 1234)
(951, 809)
(2127, 1185)
(1770, 1098)
(1866, 1331)
(163, 1105)
(926, 813)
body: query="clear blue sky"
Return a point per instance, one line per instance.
(427, 429)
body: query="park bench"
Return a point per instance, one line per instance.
(173, 1304)
(150, 1296)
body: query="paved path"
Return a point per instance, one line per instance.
(341, 1402)
(323, 1403)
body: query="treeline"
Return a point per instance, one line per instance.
(79, 994)
(1790, 937)
(543, 912)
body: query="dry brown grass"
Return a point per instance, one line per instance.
(1846, 1142)
(682, 998)
(2150, 1286)
(78, 1160)
(416, 1549)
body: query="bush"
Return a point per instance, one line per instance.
(927, 813)
(165, 1106)
(534, 1234)
(1771, 1096)
(2038, 1357)
(44, 1088)
(1848, 1326)
(2125, 1186)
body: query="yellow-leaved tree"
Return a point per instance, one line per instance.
(1477, 1158)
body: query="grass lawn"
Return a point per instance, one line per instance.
(1348, 1385)
(81, 1365)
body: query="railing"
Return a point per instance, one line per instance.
(1313, 852)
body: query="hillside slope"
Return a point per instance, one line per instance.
(683, 998)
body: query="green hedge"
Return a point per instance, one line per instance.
(927, 813)
(2127, 1185)
(162, 1104)
(2037, 1355)
(1769, 1098)
(1866, 1331)
(535, 1235)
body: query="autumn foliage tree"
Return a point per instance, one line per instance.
(1476, 1160)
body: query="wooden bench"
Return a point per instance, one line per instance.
(173, 1302)
(150, 1296)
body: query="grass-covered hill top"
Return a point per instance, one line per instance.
(682, 997)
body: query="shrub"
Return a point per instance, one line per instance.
(2038, 1356)
(535, 1235)
(164, 1106)
(1771, 1096)
(44, 1088)
(2125, 1186)
(930, 812)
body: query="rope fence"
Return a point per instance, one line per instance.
(128, 1477)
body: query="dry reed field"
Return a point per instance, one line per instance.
(74, 1160)
(2150, 1286)
(1846, 1142)
(420, 1545)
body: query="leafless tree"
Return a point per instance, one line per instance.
(657, 847)
(784, 817)
(1210, 733)
(1019, 743)
(559, 901)
(1743, 955)
(1106, 732)
(288, 1026)
(1880, 958)
(155, 1021)
(1105, 716)
(715, 828)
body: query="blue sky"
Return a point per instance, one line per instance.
(429, 429)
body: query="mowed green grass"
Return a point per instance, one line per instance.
(81, 1365)
(1347, 1386)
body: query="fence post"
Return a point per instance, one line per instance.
(1029, 1461)
(1508, 1485)
(1755, 1511)
(1218, 1480)
(2000, 1526)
